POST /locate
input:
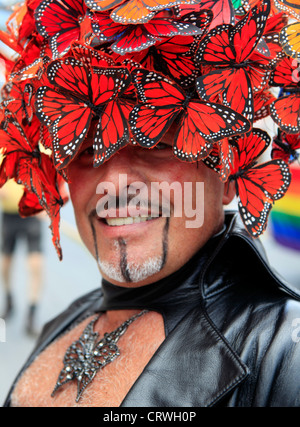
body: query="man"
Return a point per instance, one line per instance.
(209, 311)
(189, 313)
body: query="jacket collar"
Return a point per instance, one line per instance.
(237, 252)
(195, 366)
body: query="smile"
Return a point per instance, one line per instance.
(117, 222)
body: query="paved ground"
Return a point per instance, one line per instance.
(65, 281)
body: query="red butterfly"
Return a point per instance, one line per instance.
(23, 162)
(258, 186)
(33, 60)
(22, 159)
(174, 56)
(262, 101)
(91, 57)
(133, 11)
(18, 100)
(223, 11)
(285, 110)
(220, 159)
(285, 147)
(60, 22)
(240, 70)
(200, 123)
(79, 94)
(133, 38)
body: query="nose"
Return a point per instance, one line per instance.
(123, 169)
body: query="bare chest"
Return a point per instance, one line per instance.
(110, 384)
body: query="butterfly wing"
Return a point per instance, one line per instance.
(149, 124)
(262, 101)
(132, 12)
(28, 174)
(257, 190)
(102, 5)
(59, 21)
(201, 125)
(216, 48)
(257, 186)
(221, 158)
(29, 204)
(68, 120)
(223, 11)
(173, 58)
(14, 139)
(230, 86)
(19, 102)
(292, 140)
(290, 40)
(285, 112)
(250, 147)
(285, 73)
(291, 7)
(83, 93)
(105, 28)
(134, 39)
(246, 34)
(161, 100)
(112, 131)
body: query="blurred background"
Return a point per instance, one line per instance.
(77, 274)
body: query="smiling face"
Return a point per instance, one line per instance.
(142, 242)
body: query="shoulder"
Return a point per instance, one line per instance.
(240, 259)
(258, 313)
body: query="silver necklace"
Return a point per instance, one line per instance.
(85, 357)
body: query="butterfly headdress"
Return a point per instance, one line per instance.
(135, 67)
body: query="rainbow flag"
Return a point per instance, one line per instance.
(285, 214)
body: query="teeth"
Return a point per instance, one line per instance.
(115, 222)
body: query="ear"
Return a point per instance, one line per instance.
(229, 192)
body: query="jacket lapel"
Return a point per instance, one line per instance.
(194, 367)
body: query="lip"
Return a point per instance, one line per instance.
(131, 211)
(124, 230)
(109, 231)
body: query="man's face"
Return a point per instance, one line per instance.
(144, 236)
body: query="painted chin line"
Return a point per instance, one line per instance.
(123, 262)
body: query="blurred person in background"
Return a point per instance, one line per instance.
(14, 228)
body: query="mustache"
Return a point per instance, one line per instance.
(109, 205)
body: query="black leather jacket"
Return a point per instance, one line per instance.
(236, 347)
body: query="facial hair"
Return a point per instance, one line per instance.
(131, 272)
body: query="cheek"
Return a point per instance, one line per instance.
(82, 189)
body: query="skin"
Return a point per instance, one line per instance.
(166, 239)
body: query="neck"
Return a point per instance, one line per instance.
(170, 296)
